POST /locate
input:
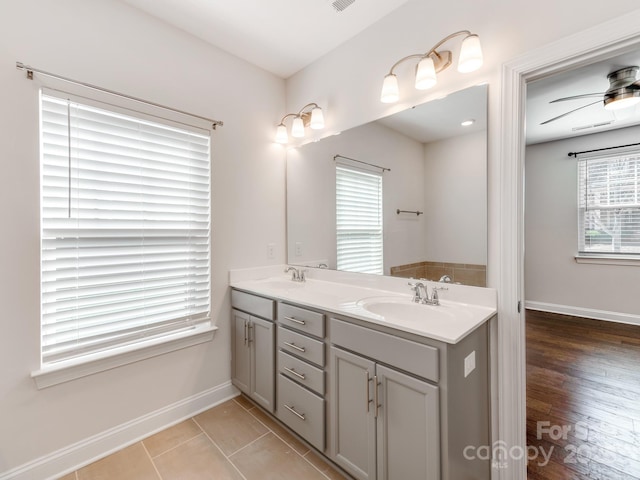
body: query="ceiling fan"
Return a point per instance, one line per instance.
(623, 92)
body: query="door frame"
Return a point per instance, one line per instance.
(588, 46)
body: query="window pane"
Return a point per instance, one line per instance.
(125, 229)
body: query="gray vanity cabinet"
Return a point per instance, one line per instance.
(385, 424)
(253, 346)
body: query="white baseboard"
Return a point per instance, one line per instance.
(74, 456)
(583, 312)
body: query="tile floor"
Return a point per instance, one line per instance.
(235, 440)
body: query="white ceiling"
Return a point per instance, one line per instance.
(588, 79)
(280, 36)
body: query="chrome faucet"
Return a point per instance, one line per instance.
(296, 274)
(421, 293)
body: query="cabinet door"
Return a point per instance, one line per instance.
(240, 351)
(408, 427)
(353, 425)
(262, 340)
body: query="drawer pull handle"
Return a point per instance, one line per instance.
(293, 410)
(301, 376)
(295, 320)
(295, 347)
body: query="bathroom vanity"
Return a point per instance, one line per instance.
(384, 387)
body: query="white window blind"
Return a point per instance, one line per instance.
(359, 220)
(609, 204)
(125, 228)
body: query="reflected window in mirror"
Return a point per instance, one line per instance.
(359, 238)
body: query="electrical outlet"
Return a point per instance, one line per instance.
(298, 249)
(271, 250)
(469, 363)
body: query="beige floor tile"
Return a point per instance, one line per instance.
(131, 463)
(197, 459)
(242, 400)
(322, 465)
(279, 430)
(230, 426)
(269, 458)
(171, 437)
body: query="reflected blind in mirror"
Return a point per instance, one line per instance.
(125, 249)
(359, 220)
(609, 204)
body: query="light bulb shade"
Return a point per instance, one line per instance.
(317, 119)
(390, 93)
(297, 129)
(281, 134)
(425, 74)
(470, 54)
(620, 102)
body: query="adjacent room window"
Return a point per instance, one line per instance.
(609, 204)
(125, 240)
(359, 220)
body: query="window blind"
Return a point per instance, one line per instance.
(609, 204)
(125, 249)
(359, 220)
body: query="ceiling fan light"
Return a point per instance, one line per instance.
(471, 57)
(390, 92)
(425, 74)
(317, 119)
(281, 134)
(622, 102)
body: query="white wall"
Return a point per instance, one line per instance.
(456, 199)
(551, 233)
(107, 43)
(347, 81)
(311, 192)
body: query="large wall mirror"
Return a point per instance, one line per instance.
(405, 195)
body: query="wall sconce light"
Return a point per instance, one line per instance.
(435, 61)
(309, 115)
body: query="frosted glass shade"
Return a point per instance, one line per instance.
(470, 54)
(297, 129)
(390, 93)
(622, 103)
(425, 74)
(281, 134)
(317, 119)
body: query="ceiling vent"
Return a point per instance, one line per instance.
(341, 5)
(595, 125)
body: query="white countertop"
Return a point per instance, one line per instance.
(462, 309)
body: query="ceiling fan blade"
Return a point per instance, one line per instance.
(573, 97)
(570, 111)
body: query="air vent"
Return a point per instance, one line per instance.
(595, 125)
(341, 5)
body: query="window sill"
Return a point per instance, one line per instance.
(603, 259)
(99, 362)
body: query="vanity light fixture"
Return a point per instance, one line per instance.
(309, 115)
(435, 61)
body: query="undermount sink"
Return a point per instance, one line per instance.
(403, 307)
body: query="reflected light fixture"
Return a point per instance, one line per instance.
(434, 61)
(468, 122)
(310, 115)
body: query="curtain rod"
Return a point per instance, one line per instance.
(384, 169)
(31, 70)
(575, 154)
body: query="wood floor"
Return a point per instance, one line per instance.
(583, 398)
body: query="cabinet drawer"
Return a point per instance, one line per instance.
(301, 319)
(253, 304)
(412, 357)
(301, 372)
(301, 346)
(302, 411)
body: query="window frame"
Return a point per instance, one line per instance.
(69, 369)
